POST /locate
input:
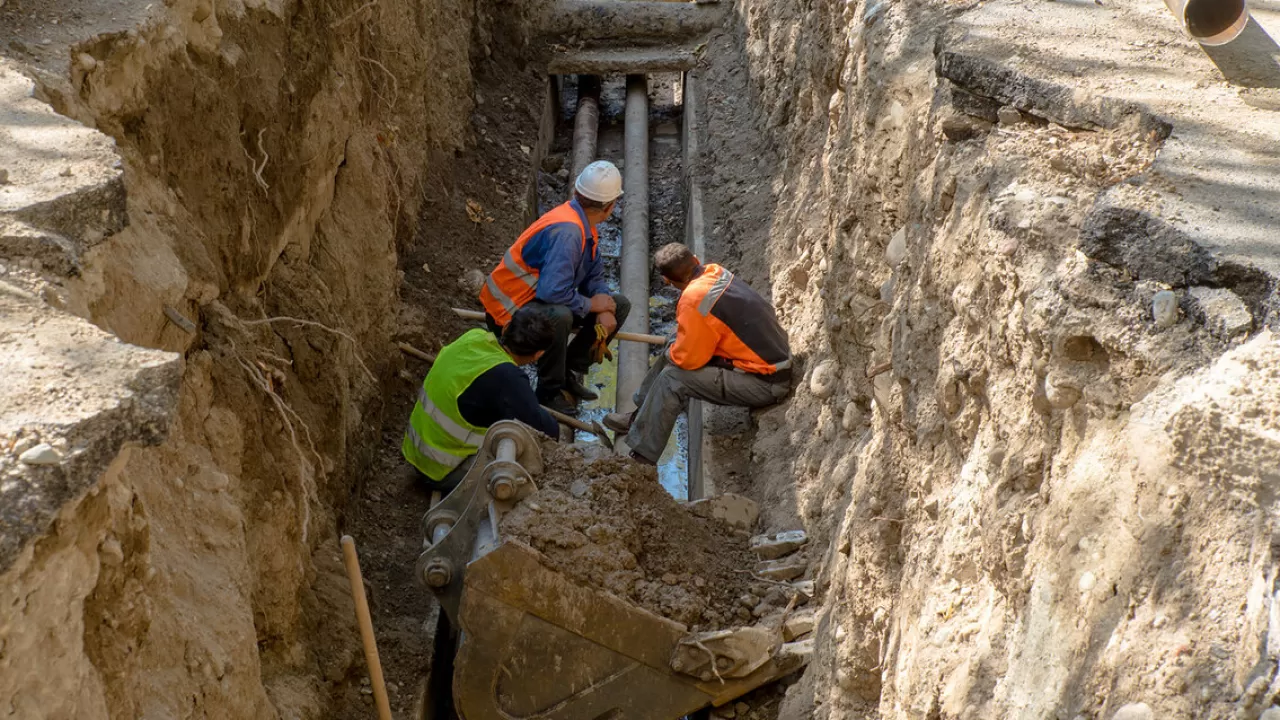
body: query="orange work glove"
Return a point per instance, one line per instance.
(599, 349)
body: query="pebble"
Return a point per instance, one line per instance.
(1087, 582)
(849, 421)
(42, 454)
(24, 445)
(896, 251)
(823, 381)
(1009, 115)
(1164, 309)
(1134, 711)
(669, 579)
(1062, 394)
(87, 61)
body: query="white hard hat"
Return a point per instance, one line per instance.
(600, 181)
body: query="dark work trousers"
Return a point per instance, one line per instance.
(565, 356)
(667, 390)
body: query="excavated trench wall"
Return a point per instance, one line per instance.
(1049, 505)
(274, 156)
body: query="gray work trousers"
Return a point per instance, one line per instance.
(667, 389)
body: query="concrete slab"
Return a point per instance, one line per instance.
(1216, 181)
(624, 60)
(71, 397)
(61, 183)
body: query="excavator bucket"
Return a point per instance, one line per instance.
(534, 644)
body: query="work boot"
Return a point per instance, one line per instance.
(642, 459)
(620, 422)
(562, 404)
(573, 385)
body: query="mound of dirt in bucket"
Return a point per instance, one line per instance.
(608, 523)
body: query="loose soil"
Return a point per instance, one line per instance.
(607, 523)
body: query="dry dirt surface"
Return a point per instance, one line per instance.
(607, 523)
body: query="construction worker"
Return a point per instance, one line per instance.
(729, 349)
(556, 265)
(475, 382)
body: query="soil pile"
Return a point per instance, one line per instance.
(607, 523)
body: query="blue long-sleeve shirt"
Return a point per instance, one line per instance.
(567, 275)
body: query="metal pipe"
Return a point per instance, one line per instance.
(506, 450)
(633, 359)
(1211, 22)
(586, 125)
(695, 239)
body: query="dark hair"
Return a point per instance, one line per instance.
(529, 332)
(675, 262)
(589, 204)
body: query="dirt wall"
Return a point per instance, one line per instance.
(1047, 504)
(276, 157)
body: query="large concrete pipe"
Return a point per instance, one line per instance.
(586, 125)
(1211, 22)
(633, 359)
(610, 20)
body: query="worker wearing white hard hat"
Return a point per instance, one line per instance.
(556, 265)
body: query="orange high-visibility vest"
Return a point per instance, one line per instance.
(719, 316)
(514, 282)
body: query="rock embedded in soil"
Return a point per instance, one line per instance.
(42, 454)
(798, 624)
(782, 570)
(734, 510)
(824, 379)
(772, 547)
(1134, 711)
(626, 535)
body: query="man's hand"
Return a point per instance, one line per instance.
(603, 303)
(608, 320)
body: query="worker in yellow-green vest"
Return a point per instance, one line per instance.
(475, 382)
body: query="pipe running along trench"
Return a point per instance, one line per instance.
(633, 359)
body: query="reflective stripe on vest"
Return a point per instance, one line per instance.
(514, 283)
(438, 438)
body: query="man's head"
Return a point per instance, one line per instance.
(677, 263)
(597, 190)
(528, 335)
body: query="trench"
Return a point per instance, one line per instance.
(666, 225)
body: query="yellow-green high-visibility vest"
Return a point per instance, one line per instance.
(438, 439)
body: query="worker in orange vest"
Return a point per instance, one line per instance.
(556, 265)
(729, 349)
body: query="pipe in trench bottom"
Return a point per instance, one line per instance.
(586, 125)
(1211, 22)
(633, 359)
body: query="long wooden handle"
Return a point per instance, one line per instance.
(572, 422)
(628, 336)
(366, 628)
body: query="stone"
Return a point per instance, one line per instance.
(782, 570)
(959, 127)
(741, 708)
(824, 379)
(851, 418)
(1148, 247)
(784, 543)
(1272, 713)
(1134, 711)
(1164, 309)
(42, 454)
(4, 176)
(1221, 311)
(578, 488)
(896, 251)
(1009, 115)
(806, 588)
(1087, 582)
(1061, 391)
(724, 712)
(798, 624)
(735, 510)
